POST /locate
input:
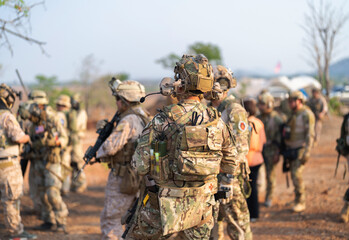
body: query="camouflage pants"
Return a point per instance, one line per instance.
(115, 206)
(11, 187)
(296, 169)
(66, 169)
(237, 216)
(77, 155)
(270, 168)
(318, 128)
(148, 224)
(48, 178)
(33, 188)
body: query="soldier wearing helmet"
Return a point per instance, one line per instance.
(68, 121)
(77, 154)
(180, 154)
(11, 180)
(298, 135)
(48, 138)
(117, 151)
(235, 212)
(271, 150)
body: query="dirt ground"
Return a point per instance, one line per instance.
(319, 221)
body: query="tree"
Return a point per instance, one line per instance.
(211, 51)
(322, 25)
(16, 23)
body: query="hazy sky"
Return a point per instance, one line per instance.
(128, 36)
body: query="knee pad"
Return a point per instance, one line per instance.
(53, 195)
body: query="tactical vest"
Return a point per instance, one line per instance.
(8, 148)
(124, 156)
(192, 152)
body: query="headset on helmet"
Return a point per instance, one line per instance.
(8, 95)
(63, 100)
(224, 77)
(38, 96)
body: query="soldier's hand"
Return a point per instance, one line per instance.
(100, 124)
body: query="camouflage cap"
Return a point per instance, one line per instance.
(266, 98)
(130, 90)
(195, 73)
(38, 96)
(63, 100)
(7, 95)
(297, 95)
(224, 77)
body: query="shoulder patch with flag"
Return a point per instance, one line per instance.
(39, 129)
(242, 126)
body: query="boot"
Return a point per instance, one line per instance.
(345, 212)
(23, 235)
(60, 228)
(299, 207)
(268, 202)
(46, 226)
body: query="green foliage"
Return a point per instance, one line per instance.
(120, 76)
(169, 61)
(211, 51)
(335, 106)
(49, 85)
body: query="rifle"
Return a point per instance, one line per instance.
(104, 133)
(335, 171)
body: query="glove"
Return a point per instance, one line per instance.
(100, 124)
(226, 185)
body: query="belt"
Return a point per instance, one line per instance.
(8, 158)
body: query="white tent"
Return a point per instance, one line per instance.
(295, 83)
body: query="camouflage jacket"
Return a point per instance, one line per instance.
(318, 106)
(272, 125)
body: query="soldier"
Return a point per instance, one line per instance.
(77, 154)
(271, 150)
(317, 103)
(48, 137)
(11, 180)
(63, 106)
(298, 135)
(117, 151)
(343, 149)
(180, 154)
(234, 115)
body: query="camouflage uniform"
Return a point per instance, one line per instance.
(271, 150)
(180, 153)
(301, 137)
(123, 183)
(47, 165)
(343, 149)
(11, 180)
(77, 154)
(319, 108)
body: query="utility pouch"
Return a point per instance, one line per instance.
(159, 161)
(291, 154)
(286, 132)
(54, 155)
(184, 208)
(129, 181)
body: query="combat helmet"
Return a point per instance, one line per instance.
(8, 95)
(297, 95)
(130, 90)
(63, 100)
(224, 77)
(38, 97)
(266, 98)
(195, 74)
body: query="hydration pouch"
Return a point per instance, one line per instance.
(159, 161)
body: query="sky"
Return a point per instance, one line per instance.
(129, 36)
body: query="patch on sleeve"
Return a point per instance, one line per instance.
(242, 126)
(62, 121)
(120, 127)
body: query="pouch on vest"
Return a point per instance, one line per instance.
(130, 181)
(197, 161)
(159, 161)
(184, 208)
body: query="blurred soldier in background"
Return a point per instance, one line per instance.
(63, 106)
(298, 135)
(343, 149)
(77, 153)
(11, 180)
(48, 137)
(117, 151)
(180, 154)
(317, 103)
(271, 150)
(235, 212)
